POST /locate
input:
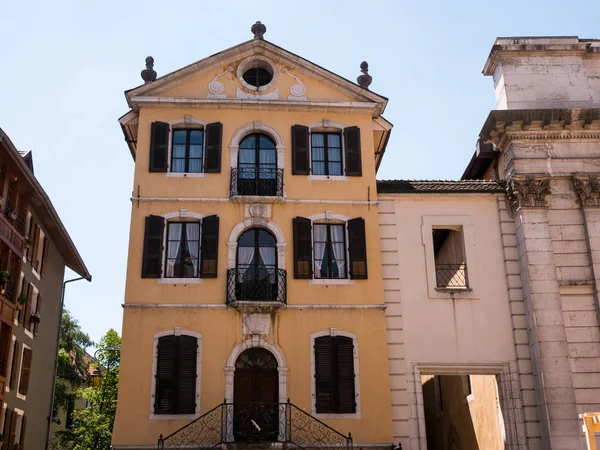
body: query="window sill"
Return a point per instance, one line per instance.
(184, 175)
(355, 415)
(251, 306)
(455, 289)
(454, 293)
(21, 396)
(327, 178)
(256, 199)
(28, 333)
(174, 416)
(332, 282)
(180, 281)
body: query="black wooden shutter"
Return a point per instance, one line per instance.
(164, 397)
(302, 248)
(14, 365)
(153, 237)
(352, 151)
(25, 371)
(300, 162)
(344, 364)
(324, 374)
(186, 396)
(212, 153)
(159, 142)
(209, 250)
(357, 249)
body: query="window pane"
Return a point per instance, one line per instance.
(178, 165)
(318, 140)
(318, 168)
(268, 157)
(247, 239)
(334, 154)
(246, 156)
(265, 142)
(179, 136)
(195, 151)
(335, 168)
(333, 140)
(248, 142)
(195, 166)
(265, 239)
(173, 249)
(179, 151)
(196, 137)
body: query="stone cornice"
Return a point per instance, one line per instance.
(587, 190)
(541, 124)
(527, 193)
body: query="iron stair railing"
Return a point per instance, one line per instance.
(259, 423)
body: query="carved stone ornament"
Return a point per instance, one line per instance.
(529, 193)
(258, 29)
(215, 87)
(148, 74)
(587, 190)
(364, 80)
(297, 90)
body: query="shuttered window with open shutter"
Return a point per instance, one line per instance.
(300, 158)
(38, 312)
(159, 142)
(209, 248)
(28, 305)
(302, 248)
(14, 365)
(25, 371)
(334, 375)
(357, 249)
(212, 154)
(176, 375)
(352, 151)
(153, 237)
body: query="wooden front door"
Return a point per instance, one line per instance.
(255, 397)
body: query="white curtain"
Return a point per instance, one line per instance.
(337, 240)
(246, 158)
(192, 232)
(320, 242)
(245, 259)
(174, 246)
(268, 256)
(268, 164)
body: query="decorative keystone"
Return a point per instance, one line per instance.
(530, 193)
(587, 190)
(148, 74)
(258, 29)
(364, 80)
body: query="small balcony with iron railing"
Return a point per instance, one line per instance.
(451, 276)
(265, 183)
(256, 290)
(279, 424)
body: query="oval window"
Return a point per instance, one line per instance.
(257, 76)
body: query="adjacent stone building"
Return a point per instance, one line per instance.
(35, 248)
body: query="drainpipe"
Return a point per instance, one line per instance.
(62, 304)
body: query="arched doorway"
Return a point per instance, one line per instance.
(256, 266)
(256, 396)
(257, 166)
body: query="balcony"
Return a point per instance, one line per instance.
(252, 290)
(12, 231)
(451, 276)
(256, 183)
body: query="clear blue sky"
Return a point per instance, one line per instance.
(65, 65)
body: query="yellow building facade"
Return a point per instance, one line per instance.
(254, 305)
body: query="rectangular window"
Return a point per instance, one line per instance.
(183, 249)
(187, 151)
(25, 371)
(5, 341)
(326, 151)
(334, 375)
(450, 260)
(14, 365)
(330, 251)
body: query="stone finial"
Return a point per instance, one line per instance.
(587, 190)
(258, 29)
(149, 74)
(530, 193)
(364, 80)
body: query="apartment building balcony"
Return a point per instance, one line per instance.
(451, 276)
(256, 183)
(12, 231)
(256, 290)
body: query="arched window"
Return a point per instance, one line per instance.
(257, 166)
(256, 266)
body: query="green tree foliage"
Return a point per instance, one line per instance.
(92, 426)
(72, 366)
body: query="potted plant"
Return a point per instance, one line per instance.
(35, 318)
(22, 299)
(17, 446)
(28, 241)
(13, 215)
(4, 276)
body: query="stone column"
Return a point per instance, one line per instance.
(544, 316)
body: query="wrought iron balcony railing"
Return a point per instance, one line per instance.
(256, 423)
(258, 285)
(264, 182)
(451, 276)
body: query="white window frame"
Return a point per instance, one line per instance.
(177, 331)
(186, 123)
(327, 218)
(327, 126)
(18, 380)
(255, 222)
(34, 301)
(465, 222)
(183, 215)
(11, 355)
(334, 332)
(19, 425)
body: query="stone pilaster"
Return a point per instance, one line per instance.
(547, 341)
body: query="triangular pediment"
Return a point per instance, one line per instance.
(220, 77)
